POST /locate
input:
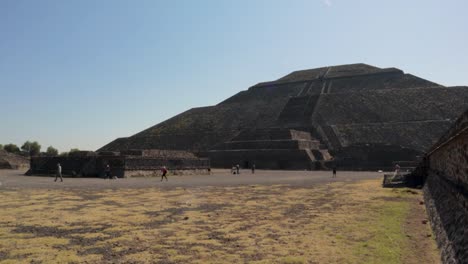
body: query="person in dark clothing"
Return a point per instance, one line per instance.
(164, 172)
(334, 171)
(107, 171)
(238, 169)
(253, 168)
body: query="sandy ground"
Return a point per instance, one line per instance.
(218, 177)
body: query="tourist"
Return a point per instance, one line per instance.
(334, 171)
(253, 168)
(397, 170)
(238, 169)
(59, 173)
(107, 171)
(164, 172)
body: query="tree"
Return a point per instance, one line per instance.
(51, 151)
(33, 148)
(12, 148)
(73, 150)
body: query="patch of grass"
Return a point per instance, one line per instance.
(292, 260)
(387, 239)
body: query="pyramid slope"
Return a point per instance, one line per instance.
(341, 106)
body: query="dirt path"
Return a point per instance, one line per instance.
(422, 247)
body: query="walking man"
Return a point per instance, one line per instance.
(334, 171)
(107, 171)
(58, 173)
(238, 169)
(397, 170)
(164, 172)
(253, 168)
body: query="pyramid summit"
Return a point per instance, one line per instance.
(358, 115)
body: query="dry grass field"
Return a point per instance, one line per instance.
(357, 222)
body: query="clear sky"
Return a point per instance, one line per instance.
(82, 73)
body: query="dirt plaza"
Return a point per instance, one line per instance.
(266, 217)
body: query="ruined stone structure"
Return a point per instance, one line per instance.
(364, 116)
(129, 163)
(446, 191)
(13, 161)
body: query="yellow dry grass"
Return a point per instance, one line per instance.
(330, 223)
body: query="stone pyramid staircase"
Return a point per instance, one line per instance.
(271, 148)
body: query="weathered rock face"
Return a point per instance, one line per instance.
(12, 161)
(446, 192)
(342, 107)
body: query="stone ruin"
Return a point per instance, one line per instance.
(445, 173)
(356, 116)
(13, 161)
(123, 164)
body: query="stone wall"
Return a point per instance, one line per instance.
(272, 134)
(377, 82)
(90, 166)
(121, 166)
(373, 157)
(419, 136)
(270, 144)
(159, 153)
(394, 105)
(156, 164)
(292, 159)
(446, 192)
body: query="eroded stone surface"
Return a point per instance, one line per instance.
(446, 192)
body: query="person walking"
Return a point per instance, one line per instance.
(107, 172)
(238, 169)
(164, 172)
(58, 173)
(253, 168)
(397, 170)
(334, 171)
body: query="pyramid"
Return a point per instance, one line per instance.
(358, 115)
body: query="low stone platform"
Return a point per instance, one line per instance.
(129, 163)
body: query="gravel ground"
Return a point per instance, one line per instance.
(17, 179)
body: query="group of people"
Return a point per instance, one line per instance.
(236, 169)
(107, 173)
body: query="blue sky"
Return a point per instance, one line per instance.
(82, 73)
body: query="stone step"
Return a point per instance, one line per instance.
(272, 144)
